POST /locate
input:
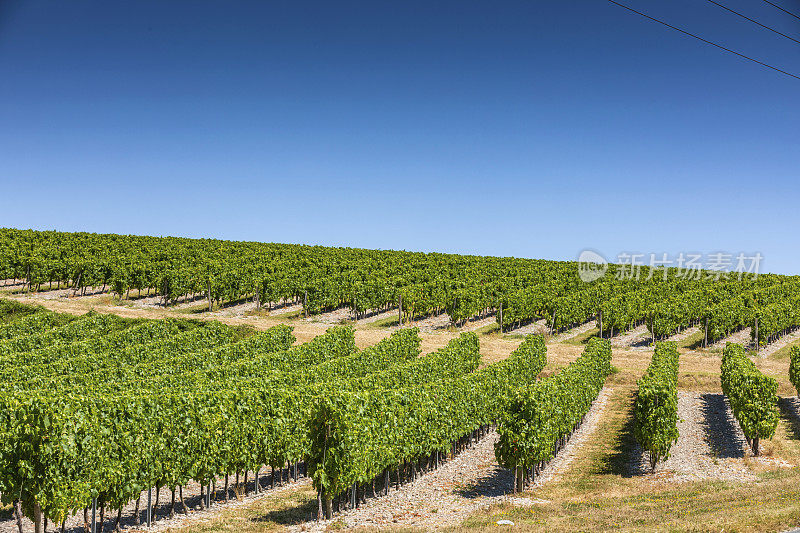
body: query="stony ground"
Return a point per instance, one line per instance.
(637, 338)
(161, 512)
(740, 337)
(710, 444)
(780, 343)
(685, 334)
(574, 332)
(446, 496)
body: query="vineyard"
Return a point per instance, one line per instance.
(514, 291)
(95, 409)
(99, 412)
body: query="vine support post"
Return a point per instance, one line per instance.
(653, 329)
(94, 516)
(208, 292)
(600, 322)
(149, 507)
(305, 303)
(400, 311)
(500, 311)
(328, 506)
(18, 513)
(37, 517)
(757, 343)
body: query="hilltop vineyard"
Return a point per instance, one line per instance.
(515, 291)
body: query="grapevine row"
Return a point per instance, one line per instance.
(656, 405)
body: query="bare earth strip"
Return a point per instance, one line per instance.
(191, 494)
(683, 335)
(539, 327)
(710, 445)
(574, 332)
(739, 337)
(773, 347)
(447, 496)
(559, 464)
(633, 338)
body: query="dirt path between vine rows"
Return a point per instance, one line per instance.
(445, 497)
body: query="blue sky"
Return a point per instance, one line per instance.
(533, 129)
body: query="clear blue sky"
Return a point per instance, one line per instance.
(532, 128)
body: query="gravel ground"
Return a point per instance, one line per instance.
(710, 444)
(773, 347)
(740, 337)
(442, 321)
(448, 495)
(574, 332)
(685, 334)
(191, 494)
(561, 462)
(343, 313)
(538, 327)
(637, 338)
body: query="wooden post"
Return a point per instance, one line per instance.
(37, 517)
(653, 329)
(305, 303)
(258, 298)
(94, 516)
(75, 290)
(209, 295)
(149, 507)
(328, 507)
(705, 334)
(500, 311)
(600, 320)
(400, 312)
(757, 343)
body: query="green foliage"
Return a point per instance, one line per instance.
(356, 435)
(535, 416)
(752, 395)
(68, 437)
(794, 367)
(656, 406)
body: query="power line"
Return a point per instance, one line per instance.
(785, 11)
(754, 21)
(705, 40)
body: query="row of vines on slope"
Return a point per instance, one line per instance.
(536, 419)
(656, 406)
(752, 395)
(517, 291)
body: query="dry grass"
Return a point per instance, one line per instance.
(598, 493)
